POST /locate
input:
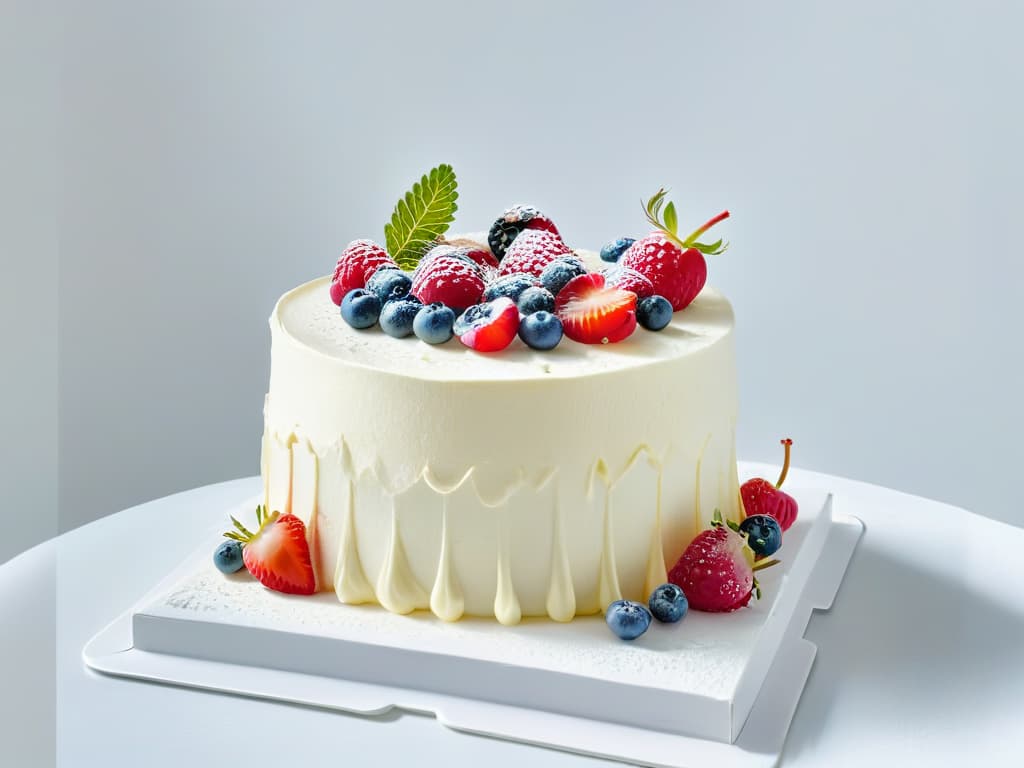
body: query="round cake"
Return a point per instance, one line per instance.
(506, 485)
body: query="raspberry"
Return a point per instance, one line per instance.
(531, 251)
(357, 263)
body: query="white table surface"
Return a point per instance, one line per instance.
(921, 660)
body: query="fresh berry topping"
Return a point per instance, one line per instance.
(277, 554)
(627, 619)
(613, 251)
(674, 264)
(760, 497)
(764, 534)
(488, 327)
(451, 280)
(560, 271)
(360, 308)
(716, 571)
(389, 283)
(677, 274)
(474, 251)
(228, 557)
(509, 286)
(593, 314)
(433, 323)
(535, 299)
(654, 312)
(668, 603)
(628, 280)
(356, 264)
(533, 250)
(513, 221)
(397, 316)
(541, 330)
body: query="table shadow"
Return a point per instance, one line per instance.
(870, 643)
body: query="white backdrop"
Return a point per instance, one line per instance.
(212, 155)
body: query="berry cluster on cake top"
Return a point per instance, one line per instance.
(524, 281)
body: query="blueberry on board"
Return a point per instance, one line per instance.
(535, 299)
(389, 283)
(560, 271)
(541, 330)
(397, 316)
(228, 557)
(628, 619)
(360, 308)
(668, 603)
(511, 286)
(433, 323)
(654, 312)
(764, 534)
(613, 251)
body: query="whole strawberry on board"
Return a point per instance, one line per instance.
(716, 572)
(675, 265)
(277, 554)
(760, 497)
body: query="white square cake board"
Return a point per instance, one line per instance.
(696, 693)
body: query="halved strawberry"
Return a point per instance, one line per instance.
(277, 555)
(592, 313)
(488, 327)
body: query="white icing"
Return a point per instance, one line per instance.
(507, 485)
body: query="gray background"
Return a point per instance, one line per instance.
(188, 162)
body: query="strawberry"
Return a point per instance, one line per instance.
(760, 497)
(716, 572)
(676, 274)
(357, 262)
(592, 313)
(531, 251)
(628, 280)
(673, 264)
(447, 278)
(513, 221)
(277, 555)
(488, 327)
(474, 251)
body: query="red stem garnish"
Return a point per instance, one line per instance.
(785, 463)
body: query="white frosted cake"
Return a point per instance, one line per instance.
(521, 483)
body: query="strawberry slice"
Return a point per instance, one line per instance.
(592, 313)
(488, 327)
(277, 555)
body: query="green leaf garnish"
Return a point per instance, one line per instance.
(668, 223)
(422, 216)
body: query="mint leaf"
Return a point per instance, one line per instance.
(421, 216)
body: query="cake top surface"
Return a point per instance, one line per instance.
(307, 316)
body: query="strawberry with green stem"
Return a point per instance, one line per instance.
(716, 572)
(277, 554)
(674, 264)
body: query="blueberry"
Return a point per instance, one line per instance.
(433, 323)
(360, 308)
(668, 603)
(541, 330)
(511, 286)
(535, 299)
(396, 318)
(561, 271)
(613, 251)
(389, 283)
(654, 312)
(627, 619)
(228, 557)
(764, 534)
